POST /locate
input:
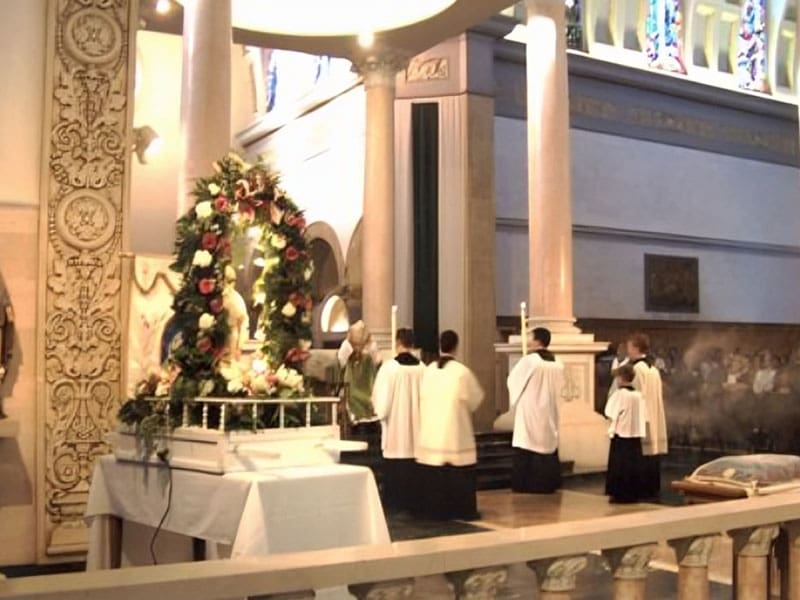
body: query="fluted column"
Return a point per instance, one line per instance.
(693, 555)
(205, 91)
(549, 171)
(377, 256)
(630, 568)
(478, 584)
(751, 549)
(556, 576)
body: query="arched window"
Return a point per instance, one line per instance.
(751, 58)
(663, 35)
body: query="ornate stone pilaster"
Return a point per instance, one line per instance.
(478, 584)
(693, 555)
(377, 256)
(630, 568)
(398, 589)
(556, 576)
(85, 186)
(751, 548)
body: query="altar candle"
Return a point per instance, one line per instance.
(524, 321)
(394, 331)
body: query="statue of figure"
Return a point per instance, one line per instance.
(238, 319)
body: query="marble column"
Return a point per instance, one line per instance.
(549, 171)
(693, 555)
(630, 568)
(205, 91)
(751, 549)
(557, 576)
(377, 256)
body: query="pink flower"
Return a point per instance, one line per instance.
(204, 344)
(209, 241)
(221, 204)
(215, 305)
(292, 253)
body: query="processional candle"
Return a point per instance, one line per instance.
(394, 331)
(524, 328)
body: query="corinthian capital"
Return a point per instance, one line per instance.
(380, 68)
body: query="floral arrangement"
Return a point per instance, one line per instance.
(238, 199)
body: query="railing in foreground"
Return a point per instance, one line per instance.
(476, 563)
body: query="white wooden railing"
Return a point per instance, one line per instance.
(476, 564)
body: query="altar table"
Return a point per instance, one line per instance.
(291, 509)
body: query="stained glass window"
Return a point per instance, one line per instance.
(574, 27)
(663, 33)
(751, 61)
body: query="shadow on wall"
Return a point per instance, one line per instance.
(16, 488)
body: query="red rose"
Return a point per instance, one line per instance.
(221, 203)
(208, 241)
(292, 253)
(204, 344)
(309, 304)
(225, 247)
(206, 286)
(215, 305)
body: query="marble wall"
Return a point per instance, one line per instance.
(22, 34)
(630, 197)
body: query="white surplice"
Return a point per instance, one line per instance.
(534, 388)
(395, 400)
(628, 413)
(448, 397)
(648, 382)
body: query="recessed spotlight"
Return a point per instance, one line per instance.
(366, 39)
(163, 6)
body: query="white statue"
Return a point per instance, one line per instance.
(238, 319)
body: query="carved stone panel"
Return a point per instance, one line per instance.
(86, 172)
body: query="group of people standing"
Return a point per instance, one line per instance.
(428, 442)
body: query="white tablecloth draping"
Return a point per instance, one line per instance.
(282, 510)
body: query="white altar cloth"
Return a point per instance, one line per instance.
(291, 509)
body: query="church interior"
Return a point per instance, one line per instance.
(225, 217)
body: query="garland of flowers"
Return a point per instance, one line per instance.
(229, 203)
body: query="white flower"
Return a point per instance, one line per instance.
(162, 389)
(289, 310)
(259, 365)
(202, 258)
(260, 385)
(305, 345)
(230, 372)
(278, 241)
(235, 386)
(206, 321)
(259, 298)
(246, 166)
(308, 273)
(203, 210)
(207, 388)
(289, 378)
(214, 189)
(271, 262)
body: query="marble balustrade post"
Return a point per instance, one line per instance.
(377, 254)
(556, 576)
(693, 555)
(630, 568)
(549, 168)
(752, 549)
(478, 584)
(205, 91)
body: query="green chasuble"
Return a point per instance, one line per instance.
(359, 375)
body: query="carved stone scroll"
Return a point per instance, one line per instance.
(84, 193)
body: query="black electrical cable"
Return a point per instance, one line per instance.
(163, 457)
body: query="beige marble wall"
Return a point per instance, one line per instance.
(18, 271)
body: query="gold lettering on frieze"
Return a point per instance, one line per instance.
(81, 311)
(696, 127)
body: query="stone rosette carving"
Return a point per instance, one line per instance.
(82, 219)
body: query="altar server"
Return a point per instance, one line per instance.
(534, 387)
(647, 380)
(446, 453)
(627, 413)
(395, 400)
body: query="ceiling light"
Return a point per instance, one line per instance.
(366, 39)
(324, 17)
(146, 143)
(163, 6)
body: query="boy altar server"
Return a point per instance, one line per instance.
(446, 453)
(628, 414)
(395, 399)
(647, 380)
(534, 387)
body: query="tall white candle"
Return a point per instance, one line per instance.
(523, 317)
(394, 331)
